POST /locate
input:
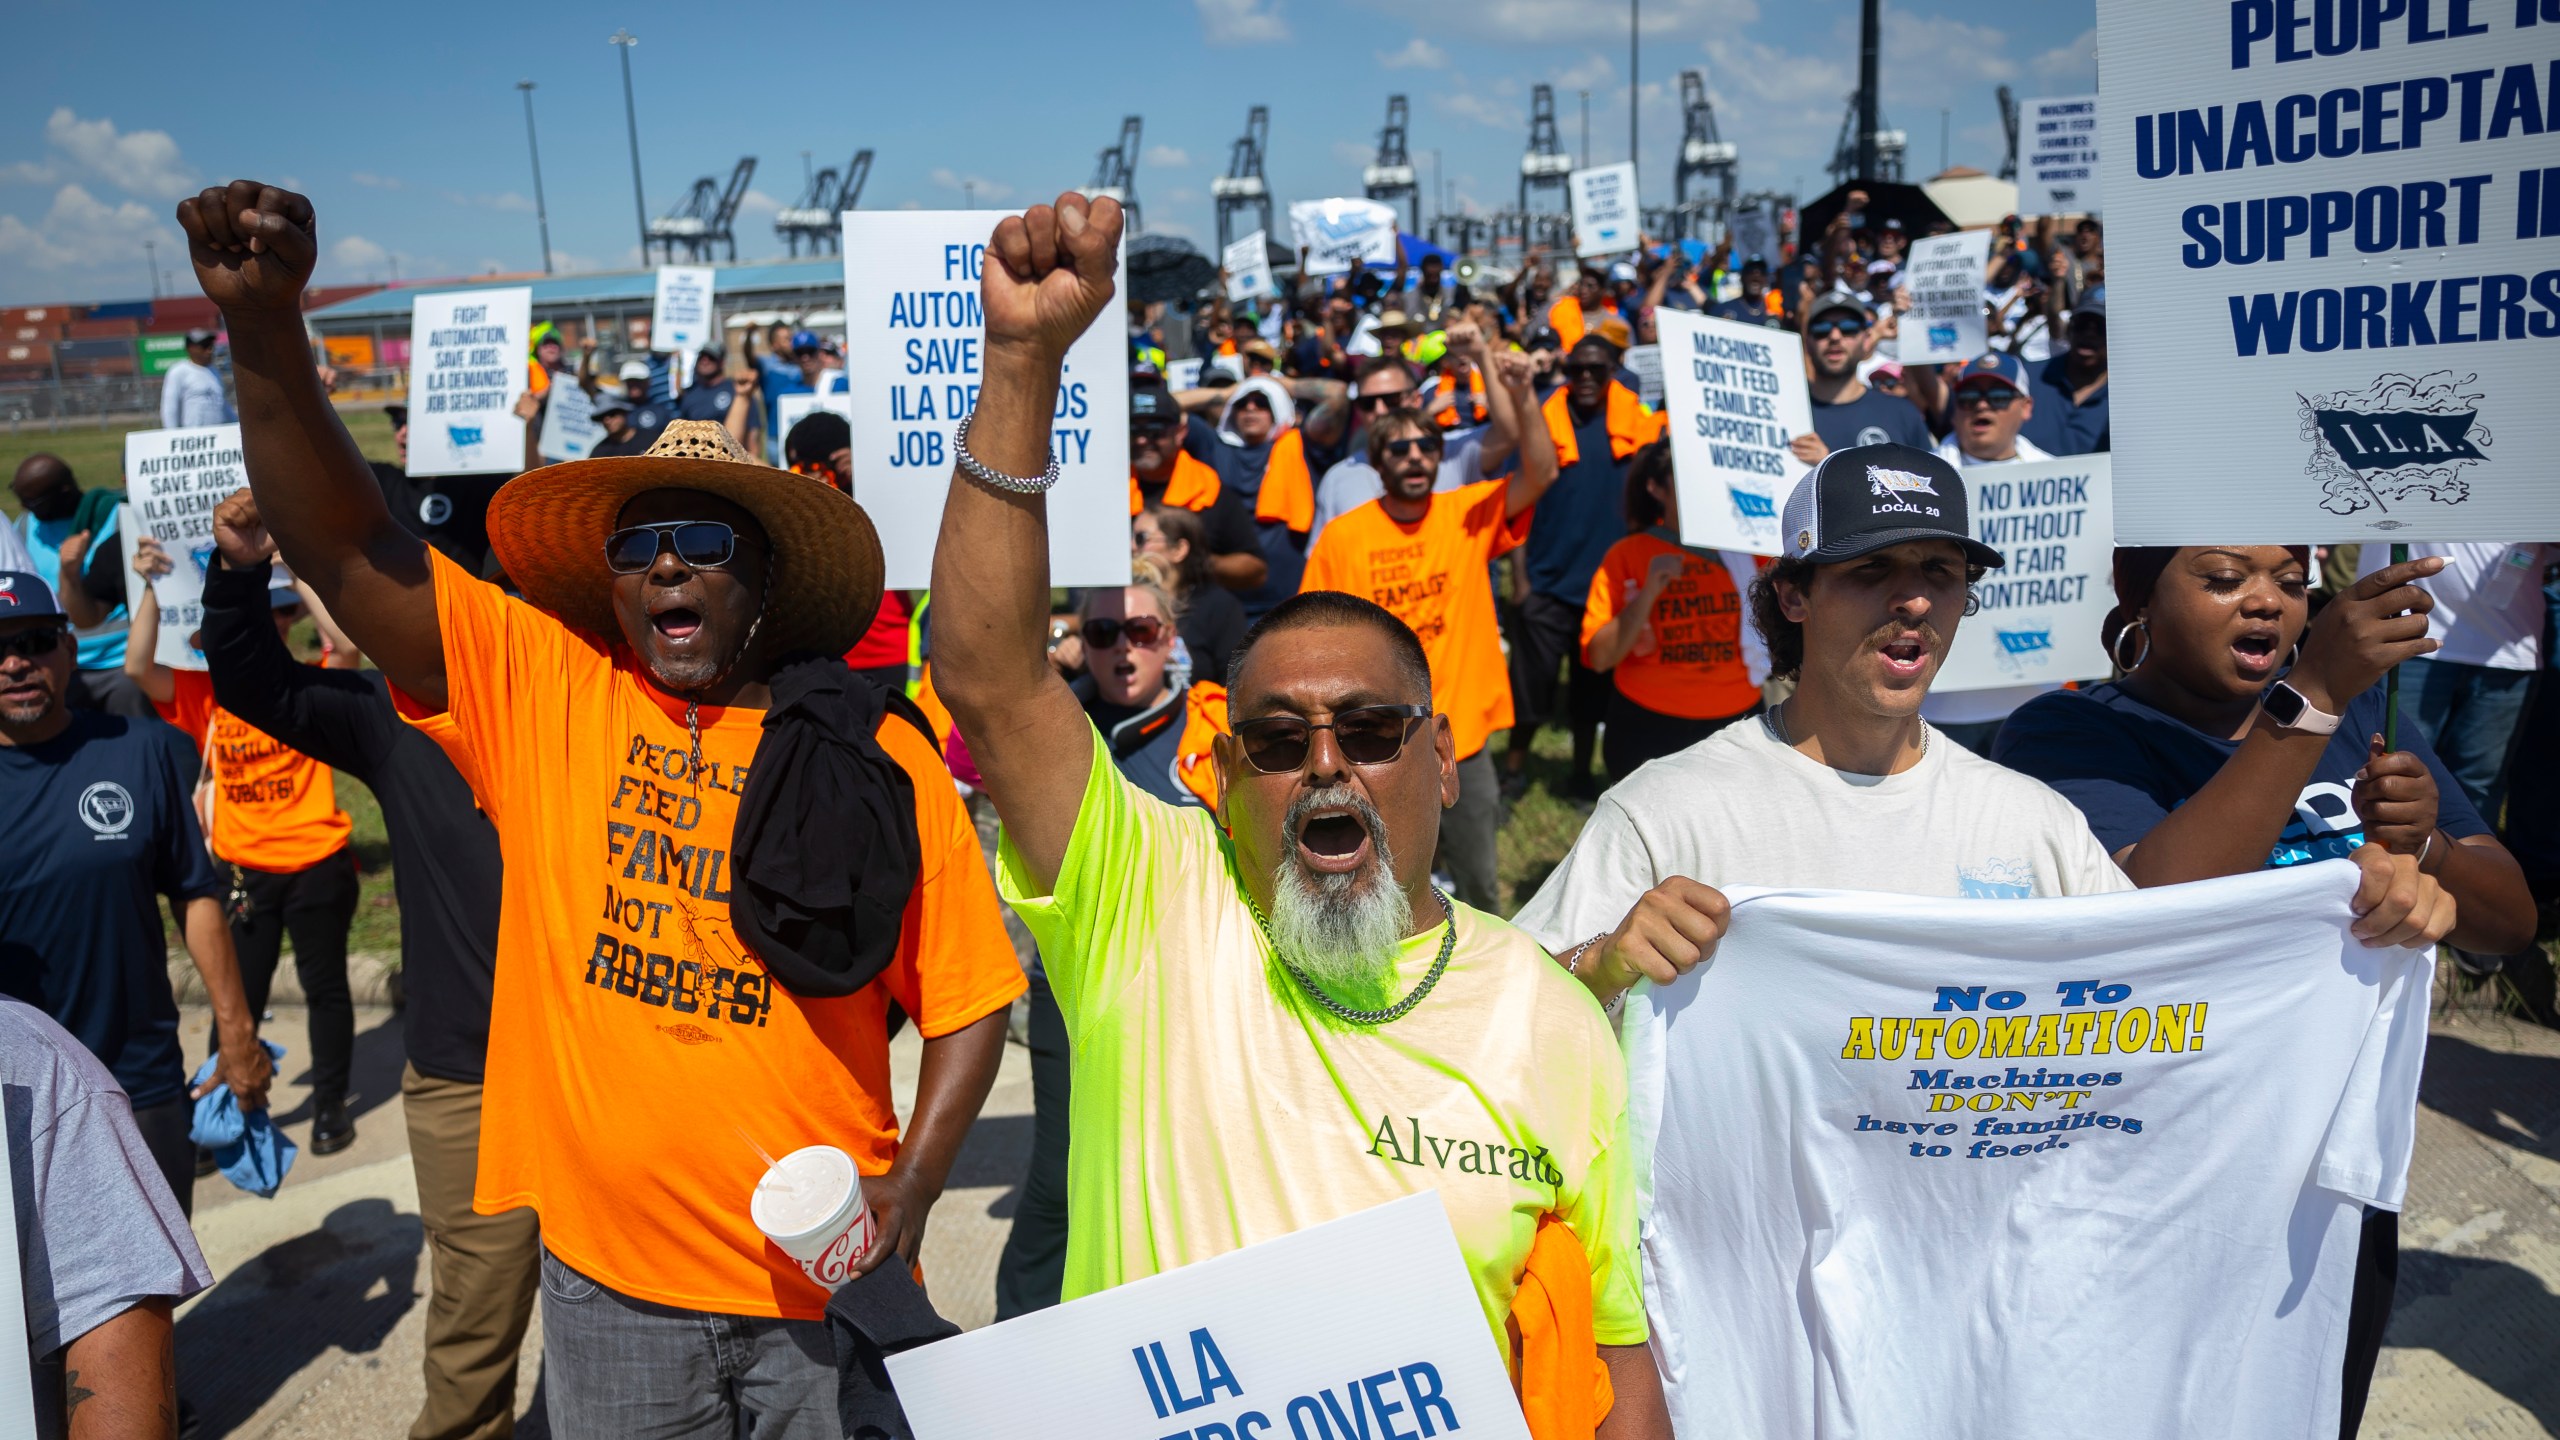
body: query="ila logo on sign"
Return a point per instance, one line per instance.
(2400, 439)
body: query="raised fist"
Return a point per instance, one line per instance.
(1048, 273)
(253, 246)
(240, 533)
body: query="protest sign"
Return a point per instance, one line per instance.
(914, 345)
(1248, 267)
(467, 366)
(1945, 324)
(1605, 221)
(1753, 232)
(173, 479)
(682, 321)
(1944, 1109)
(1736, 395)
(2330, 273)
(1181, 375)
(2059, 173)
(1362, 1326)
(2052, 520)
(569, 428)
(1341, 233)
(17, 1383)
(1646, 361)
(790, 410)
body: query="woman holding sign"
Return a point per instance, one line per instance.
(2244, 734)
(1664, 622)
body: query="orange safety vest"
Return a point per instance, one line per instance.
(1204, 720)
(1565, 318)
(1564, 1384)
(1631, 426)
(1288, 488)
(1467, 413)
(1192, 486)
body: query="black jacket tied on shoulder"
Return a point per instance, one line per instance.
(826, 850)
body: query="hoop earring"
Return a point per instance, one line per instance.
(2115, 652)
(2295, 658)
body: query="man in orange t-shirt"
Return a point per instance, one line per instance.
(272, 820)
(725, 862)
(1425, 556)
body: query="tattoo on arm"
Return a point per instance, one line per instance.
(74, 1393)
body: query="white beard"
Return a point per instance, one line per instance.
(1341, 931)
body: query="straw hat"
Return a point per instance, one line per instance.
(549, 526)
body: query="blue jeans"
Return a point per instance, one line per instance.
(2469, 714)
(614, 1367)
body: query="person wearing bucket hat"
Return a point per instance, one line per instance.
(1252, 987)
(726, 862)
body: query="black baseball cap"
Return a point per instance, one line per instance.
(1153, 403)
(25, 597)
(1868, 497)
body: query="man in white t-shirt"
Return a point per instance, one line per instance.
(1844, 786)
(191, 393)
(2469, 694)
(1992, 402)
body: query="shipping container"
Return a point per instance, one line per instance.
(159, 352)
(101, 368)
(115, 326)
(25, 374)
(349, 352)
(26, 352)
(35, 315)
(46, 334)
(121, 310)
(321, 297)
(395, 350)
(93, 349)
(177, 314)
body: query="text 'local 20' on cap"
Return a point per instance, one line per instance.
(1865, 498)
(25, 597)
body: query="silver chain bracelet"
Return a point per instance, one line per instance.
(976, 469)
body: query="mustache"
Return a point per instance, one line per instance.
(1339, 795)
(1886, 634)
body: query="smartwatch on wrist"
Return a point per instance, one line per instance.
(2287, 707)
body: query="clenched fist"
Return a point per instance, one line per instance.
(1048, 273)
(253, 246)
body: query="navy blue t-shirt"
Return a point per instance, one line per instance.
(2062, 425)
(99, 825)
(1580, 516)
(1874, 418)
(2127, 766)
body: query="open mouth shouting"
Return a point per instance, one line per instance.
(2256, 652)
(675, 621)
(1332, 830)
(1905, 653)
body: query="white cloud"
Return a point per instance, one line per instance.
(1168, 157)
(28, 172)
(354, 252)
(1544, 22)
(756, 202)
(371, 181)
(2075, 60)
(507, 201)
(1591, 72)
(977, 185)
(1937, 57)
(81, 230)
(1417, 54)
(1353, 152)
(1469, 105)
(1242, 22)
(144, 162)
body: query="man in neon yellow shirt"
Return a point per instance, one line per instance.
(1237, 1077)
(1276, 1018)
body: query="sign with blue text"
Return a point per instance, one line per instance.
(2052, 520)
(1343, 234)
(1736, 396)
(173, 480)
(915, 341)
(2058, 174)
(2333, 286)
(1363, 1326)
(1945, 276)
(468, 362)
(681, 322)
(1605, 218)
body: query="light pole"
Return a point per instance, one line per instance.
(1943, 113)
(1586, 129)
(1439, 197)
(541, 210)
(1632, 87)
(623, 40)
(151, 251)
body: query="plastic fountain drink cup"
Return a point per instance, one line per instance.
(810, 1204)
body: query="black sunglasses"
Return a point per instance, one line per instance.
(1821, 328)
(33, 644)
(701, 544)
(1374, 403)
(1590, 367)
(1428, 443)
(1104, 631)
(1986, 397)
(1366, 735)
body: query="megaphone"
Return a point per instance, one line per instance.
(1467, 271)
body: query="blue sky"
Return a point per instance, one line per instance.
(404, 125)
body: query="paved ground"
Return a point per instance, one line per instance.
(314, 1328)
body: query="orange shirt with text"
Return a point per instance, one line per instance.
(639, 1056)
(1691, 664)
(1433, 575)
(274, 808)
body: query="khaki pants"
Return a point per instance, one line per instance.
(487, 1269)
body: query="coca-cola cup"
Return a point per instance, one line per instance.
(810, 1204)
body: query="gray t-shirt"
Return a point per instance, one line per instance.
(98, 1230)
